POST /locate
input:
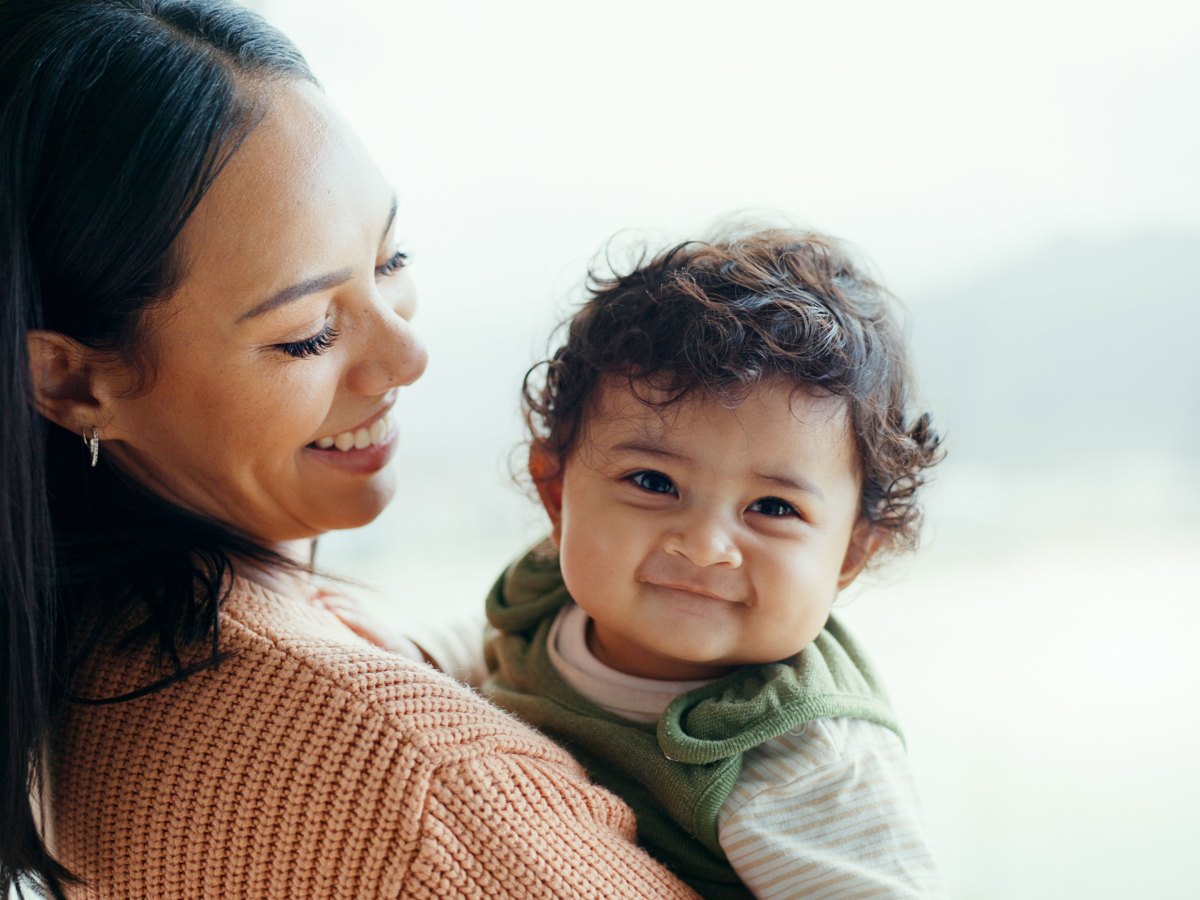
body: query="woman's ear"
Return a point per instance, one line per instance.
(546, 472)
(63, 373)
(865, 542)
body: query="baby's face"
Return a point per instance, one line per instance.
(699, 537)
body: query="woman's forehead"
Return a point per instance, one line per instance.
(297, 196)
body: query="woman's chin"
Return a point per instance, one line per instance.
(366, 505)
(352, 509)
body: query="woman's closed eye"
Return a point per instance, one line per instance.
(323, 339)
(773, 506)
(313, 346)
(392, 265)
(652, 482)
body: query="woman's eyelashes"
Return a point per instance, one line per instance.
(394, 264)
(323, 339)
(313, 346)
(652, 482)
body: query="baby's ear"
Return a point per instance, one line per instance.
(546, 472)
(865, 542)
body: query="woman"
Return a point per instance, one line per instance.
(201, 281)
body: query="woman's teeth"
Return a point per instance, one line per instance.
(360, 439)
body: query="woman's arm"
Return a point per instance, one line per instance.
(453, 645)
(507, 825)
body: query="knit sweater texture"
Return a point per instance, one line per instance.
(312, 765)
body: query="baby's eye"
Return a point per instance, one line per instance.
(653, 482)
(772, 506)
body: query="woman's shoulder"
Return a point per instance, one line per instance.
(292, 689)
(283, 654)
(299, 742)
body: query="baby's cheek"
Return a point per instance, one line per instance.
(586, 573)
(577, 573)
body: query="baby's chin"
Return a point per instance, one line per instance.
(697, 667)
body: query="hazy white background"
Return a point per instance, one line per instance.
(1024, 175)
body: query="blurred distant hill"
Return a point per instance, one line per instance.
(1081, 351)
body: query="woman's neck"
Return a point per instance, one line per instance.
(283, 581)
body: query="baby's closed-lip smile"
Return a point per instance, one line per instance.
(691, 588)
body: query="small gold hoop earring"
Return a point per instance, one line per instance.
(93, 445)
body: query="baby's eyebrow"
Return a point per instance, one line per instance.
(793, 482)
(647, 447)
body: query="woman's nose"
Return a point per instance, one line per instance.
(392, 355)
(704, 539)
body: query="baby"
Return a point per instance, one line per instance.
(723, 443)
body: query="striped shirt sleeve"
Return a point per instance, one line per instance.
(829, 810)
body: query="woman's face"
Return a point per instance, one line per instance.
(289, 332)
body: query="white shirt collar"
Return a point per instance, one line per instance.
(628, 696)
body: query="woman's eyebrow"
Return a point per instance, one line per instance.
(387, 226)
(314, 285)
(298, 290)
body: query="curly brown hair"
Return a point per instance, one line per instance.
(718, 317)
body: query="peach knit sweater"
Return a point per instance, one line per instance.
(309, 766)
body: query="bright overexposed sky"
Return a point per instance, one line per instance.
(936, 135)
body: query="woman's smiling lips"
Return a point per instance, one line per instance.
(365, 448)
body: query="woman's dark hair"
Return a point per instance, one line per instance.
(715, 318)
(115, 118)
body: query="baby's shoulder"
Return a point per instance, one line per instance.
(821, 743)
